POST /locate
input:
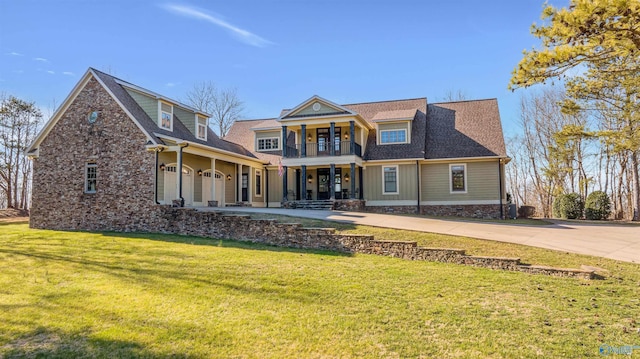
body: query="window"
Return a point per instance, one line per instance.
(202, 128)
(390, 180)
(166, 116)
(267, 144)
(393, 136)
(258, 183)
(90, 178)
(458, 178)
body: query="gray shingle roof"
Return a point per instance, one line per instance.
(440, 130)
(464, 129)
(180, 131)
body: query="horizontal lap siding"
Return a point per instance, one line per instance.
(148, 104)
(482, 182)
(407, 184)
(187, 118)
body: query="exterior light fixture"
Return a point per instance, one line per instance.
(228, 177)
(346, 177)
(346, 136)
(309, 138)
(199, 172)
(310, 178)
(162, 166)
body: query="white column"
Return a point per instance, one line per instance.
(213, 181)
(249, 188)
(239, 184)
(178, 174)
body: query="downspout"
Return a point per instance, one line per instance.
(500, 188)
(418, 184)
(180, 174)
(266, 185)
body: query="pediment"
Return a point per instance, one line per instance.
(316, 106)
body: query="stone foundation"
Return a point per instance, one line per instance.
(486, 211)
(349, 205)
(392, 209)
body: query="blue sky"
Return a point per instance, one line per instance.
(276, 53)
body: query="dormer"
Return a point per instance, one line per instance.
(394, 127)
(201, 127)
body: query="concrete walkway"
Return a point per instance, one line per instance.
(621, 242)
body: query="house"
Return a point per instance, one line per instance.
(113, 151)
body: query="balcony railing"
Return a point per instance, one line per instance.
(323, 149)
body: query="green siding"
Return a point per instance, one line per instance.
(148, 104)
(275, 186)
(482, 182)
(228, 168)
(187, 118)
(407, 184)
(324, 110)
(394, 126)
(267, 134)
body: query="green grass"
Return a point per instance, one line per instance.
(78, 294)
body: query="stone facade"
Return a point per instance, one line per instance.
(392, 209)
(125, 170)
(487, 211)
(349, 205)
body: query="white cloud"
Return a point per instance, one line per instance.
(170, 84)
(13, 53)
(68, 73)
(243, 35)
(41, 59)
(51, 72)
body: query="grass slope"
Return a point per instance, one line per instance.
(78, 294)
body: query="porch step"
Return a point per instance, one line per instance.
(324, 205)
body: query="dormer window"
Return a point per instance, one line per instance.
(166, 116)
(201, 130)
(268, 144)
(393, 136)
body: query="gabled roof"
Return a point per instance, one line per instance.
(241, 133)
(395, 115)
(116, 88)
(464, 129)
(319, 107)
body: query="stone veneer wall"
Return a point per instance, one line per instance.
(125, 171)
(469, 211)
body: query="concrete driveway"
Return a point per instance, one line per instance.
(621, 242)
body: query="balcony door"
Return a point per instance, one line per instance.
(323, 141)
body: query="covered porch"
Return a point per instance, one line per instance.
(333, 182)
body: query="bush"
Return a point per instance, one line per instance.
(597, 206)
(526, 211)
(568, 206)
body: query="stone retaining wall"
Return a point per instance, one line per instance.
(242, 227)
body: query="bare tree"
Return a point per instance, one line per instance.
(453, 96)
(19, 121)
(223, 104)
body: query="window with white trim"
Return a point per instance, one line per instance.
(166, 116)
(268, 144)
(201, 130)
(258, 183)
(90, 177)
(390, 180)
(458, 179)
(393, 136)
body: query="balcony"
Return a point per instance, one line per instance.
(342, 148)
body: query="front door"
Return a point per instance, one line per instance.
(323, 183)
(338, 184)
(245, 187)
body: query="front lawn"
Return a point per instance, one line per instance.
(78, 294)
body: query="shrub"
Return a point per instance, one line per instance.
(568, 205)
(526, 211)
(597, 206)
